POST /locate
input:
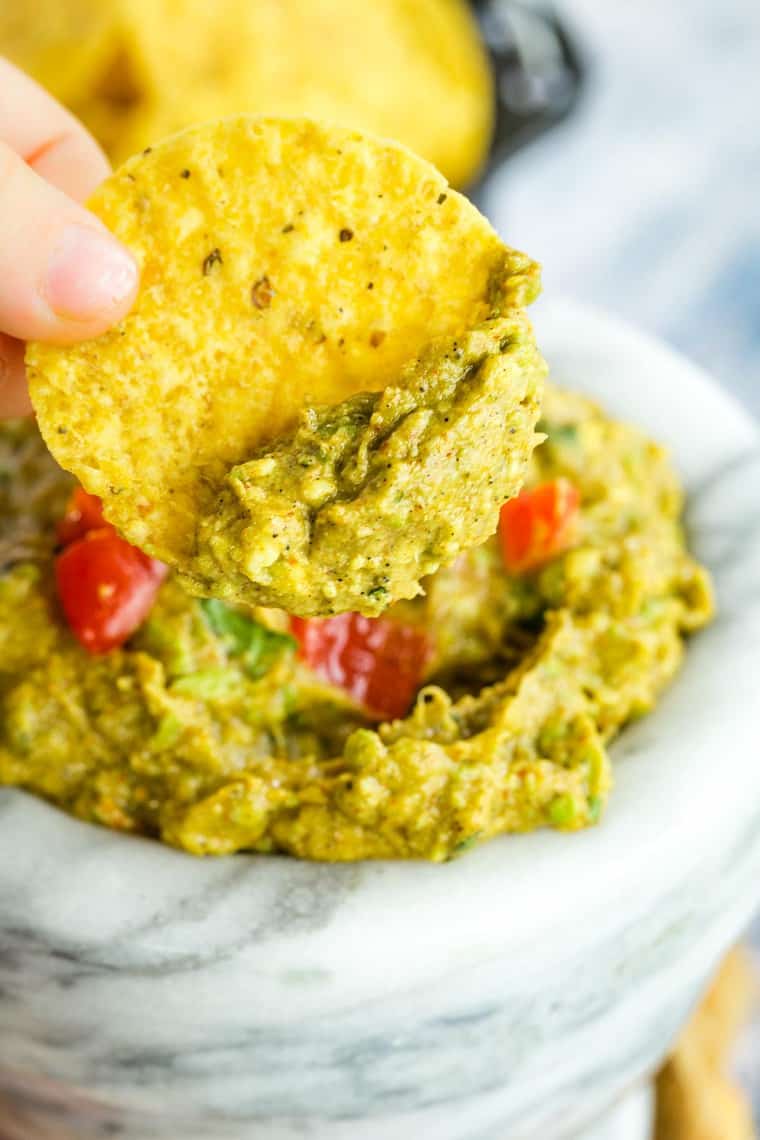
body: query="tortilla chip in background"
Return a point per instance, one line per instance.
(63, 44)
(136, 70)
(283, 262)
(413, 70)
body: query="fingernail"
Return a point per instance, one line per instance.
(89, 275)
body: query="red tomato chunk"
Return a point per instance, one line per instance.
(539, 524)
(107, 588)
(83, 512)
(380, 662)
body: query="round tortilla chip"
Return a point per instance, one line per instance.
(283, 263)
(358, 65)
(136, 70)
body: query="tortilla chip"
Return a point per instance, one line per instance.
(136, 70)
(364, 66)
(283, 263)
(62, 45)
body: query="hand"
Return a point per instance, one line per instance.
(63, 277)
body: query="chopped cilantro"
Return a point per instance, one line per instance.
(255, 644)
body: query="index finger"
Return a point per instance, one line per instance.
(50, 139)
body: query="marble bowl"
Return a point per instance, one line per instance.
(514, 994)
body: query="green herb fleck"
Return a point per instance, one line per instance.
(255, 644)
(466, 844)
(594, 808)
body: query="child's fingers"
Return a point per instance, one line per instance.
(63, 277)
(50, 139)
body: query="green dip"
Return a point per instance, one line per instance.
(207, 731)
(366, 498)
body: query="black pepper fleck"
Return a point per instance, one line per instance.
(370, 284)
(288, 229)
(184, 173)
(442, 198)
(346, 234)
(262, 293)
(377, 338)
(212, 259)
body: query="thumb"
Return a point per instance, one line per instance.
(63, 277)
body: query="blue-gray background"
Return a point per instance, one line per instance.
(647, 201)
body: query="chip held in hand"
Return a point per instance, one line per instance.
(327, 386)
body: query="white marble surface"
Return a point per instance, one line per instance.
(631, 1119)
(512, 994)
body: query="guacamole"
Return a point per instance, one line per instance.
(369, 496)
(210, 730)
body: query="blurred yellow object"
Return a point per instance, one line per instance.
(696, 1098)
(136, 70)
(65, 46)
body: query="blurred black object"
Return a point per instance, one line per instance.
(538, 72)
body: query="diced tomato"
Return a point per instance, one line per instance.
(380, 662)
(538, 525)
(83, 512)
(106, 587)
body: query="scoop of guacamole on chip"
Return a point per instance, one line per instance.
(327, 387)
